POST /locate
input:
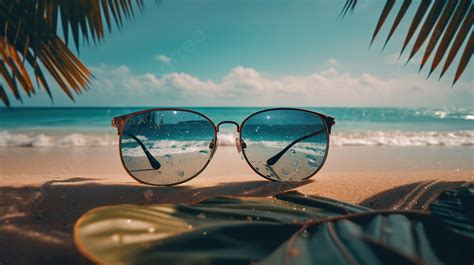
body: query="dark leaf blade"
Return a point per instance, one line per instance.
(343, 9)
(4, 96)
(465, 28)
(350, 4)
(438, 31)
(319, 203)
(455, 208)
(448, 35)
(428, 25)
(401, 13)
(466, 56)
(383, 16)
(420, 13)
(10, 80)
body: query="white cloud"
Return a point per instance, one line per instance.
(331, 62)
(163, 58)
(243, 86)
(395, 59)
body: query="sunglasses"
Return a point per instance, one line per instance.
(168, 146)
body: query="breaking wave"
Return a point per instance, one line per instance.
(347, 138)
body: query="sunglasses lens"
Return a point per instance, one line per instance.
(166, 147)
(285, 144)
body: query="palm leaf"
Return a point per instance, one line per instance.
(460, 37)
(401, 13)
(386, 10)
(439, 28)
(31, 41)
(348, 6)
(448, 36)
(466, 56)
(453, 206)
(428, 25)
(290, 228)
(420, 13)
(446, 18)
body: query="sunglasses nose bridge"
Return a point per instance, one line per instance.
(228, 122)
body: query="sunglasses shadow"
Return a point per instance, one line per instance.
(51, 210)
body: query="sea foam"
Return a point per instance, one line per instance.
(345, 138)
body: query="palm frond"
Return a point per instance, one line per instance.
(449, 23)
(386, 10)
(401, 13)
(348, 6)
(30, 42)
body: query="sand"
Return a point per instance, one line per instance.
(44, 190)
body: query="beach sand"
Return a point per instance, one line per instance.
(44, 190)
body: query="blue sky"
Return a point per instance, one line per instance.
(258, 53)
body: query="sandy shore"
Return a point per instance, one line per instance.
(44, 190)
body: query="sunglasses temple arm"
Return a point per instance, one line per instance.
(153, 162)
(272, 160)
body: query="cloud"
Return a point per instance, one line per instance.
(331, 62)
(243, 86)
(163, 58)
(395, 59)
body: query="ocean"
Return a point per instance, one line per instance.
(91, 126)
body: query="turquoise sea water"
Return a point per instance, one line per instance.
(57, 126)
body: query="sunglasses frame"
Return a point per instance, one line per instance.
(119, 122)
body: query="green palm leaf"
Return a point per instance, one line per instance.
(31, 41)
(290, 228)
(449, 21)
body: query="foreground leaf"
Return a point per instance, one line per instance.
(456, 209)
(289, 229)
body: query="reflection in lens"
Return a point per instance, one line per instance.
(166, 147)
(285, 144)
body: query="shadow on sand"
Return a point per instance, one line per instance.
(36, 222)
(413, 196)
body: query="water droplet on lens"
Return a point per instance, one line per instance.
(258, 169)
(183, 148)
(204, 233)
(305, 234)
(151, 230)
(129, 221)
(148, 194)
(190, 227)
(204, 152)
(201, 216)
(293, 151)
(168, 156)
(181, 173)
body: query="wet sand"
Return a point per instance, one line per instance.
(44, 190)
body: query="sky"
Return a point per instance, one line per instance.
(258, 53)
